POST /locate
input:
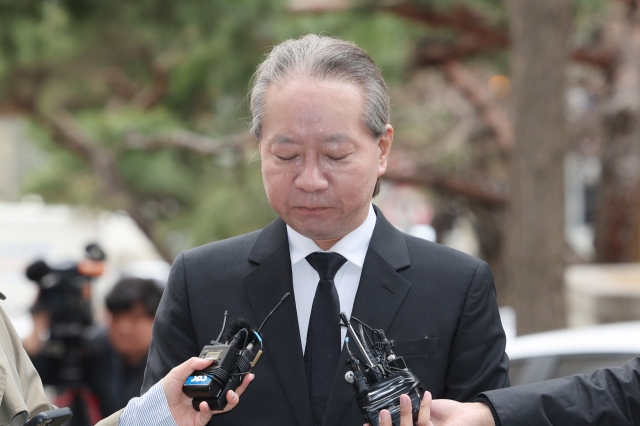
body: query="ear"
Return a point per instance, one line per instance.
(384, 148)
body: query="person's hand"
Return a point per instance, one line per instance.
(445, 412)
(406, 416)
(180, 404)
(441, 412)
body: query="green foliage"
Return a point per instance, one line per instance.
(589, 17)
(98, 59)
(389, 39)
(221, 213)
(64, 178)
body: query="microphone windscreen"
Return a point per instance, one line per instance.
(234, 327)
(37, 270)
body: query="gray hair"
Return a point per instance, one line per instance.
(324, 58)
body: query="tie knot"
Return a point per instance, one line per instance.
(326, 264)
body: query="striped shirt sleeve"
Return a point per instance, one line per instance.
(150, 409)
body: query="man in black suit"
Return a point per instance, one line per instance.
(608, 397)
(321, 116)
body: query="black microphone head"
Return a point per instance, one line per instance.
(234, 327)
(37, 270)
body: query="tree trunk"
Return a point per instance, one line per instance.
(618, 214)
(534, 240)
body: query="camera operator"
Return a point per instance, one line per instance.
(115, 359)
(63, 324)
(165, 404)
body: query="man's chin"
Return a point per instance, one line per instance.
(313, 229)
(311, 218)
(319, 224)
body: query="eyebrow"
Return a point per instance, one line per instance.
(283, 139)
(338, 137)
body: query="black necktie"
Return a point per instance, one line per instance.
(323, 348)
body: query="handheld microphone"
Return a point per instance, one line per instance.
(231, 361)
(379, 376)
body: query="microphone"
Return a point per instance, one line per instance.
(272, 311)
(235, 327)
(37, 270)
(230, 363)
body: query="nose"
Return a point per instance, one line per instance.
(311, 177)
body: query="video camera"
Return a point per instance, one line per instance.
(66, 297)
(379, 376)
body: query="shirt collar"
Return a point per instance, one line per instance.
(352, 246)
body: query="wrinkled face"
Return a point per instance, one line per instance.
(130, 333)
(319, 161)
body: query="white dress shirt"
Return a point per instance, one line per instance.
(150, 409)
(352, 247)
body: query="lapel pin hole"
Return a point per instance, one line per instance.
(388, 287)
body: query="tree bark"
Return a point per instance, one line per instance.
(534, 241)
(618, 215)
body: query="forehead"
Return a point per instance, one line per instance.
(305, 104)
(136, 310)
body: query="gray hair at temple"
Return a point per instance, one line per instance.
(324, 58)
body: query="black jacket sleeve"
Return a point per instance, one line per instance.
(609, 397)
(174, 339)
(477, 360)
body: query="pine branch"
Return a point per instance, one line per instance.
(188, 141)
(404, 170)
(477, 93)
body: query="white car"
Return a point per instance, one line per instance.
(543, 356)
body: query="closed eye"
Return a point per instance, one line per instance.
(286, 158)
(337, 157)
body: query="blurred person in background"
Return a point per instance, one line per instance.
(23, 396)
(117, 370)
(115, 358)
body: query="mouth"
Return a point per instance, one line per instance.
(312, 209)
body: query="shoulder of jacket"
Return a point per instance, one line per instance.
(424, 248)
(234, 245)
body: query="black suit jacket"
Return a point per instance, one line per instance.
(609, 397)
(409, 287)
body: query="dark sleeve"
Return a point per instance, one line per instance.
(477, 359)
(610, 396)
(174, 339)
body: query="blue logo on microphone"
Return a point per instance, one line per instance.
(197, 380)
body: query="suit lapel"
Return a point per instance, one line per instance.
(265, 285)
(381, 292)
